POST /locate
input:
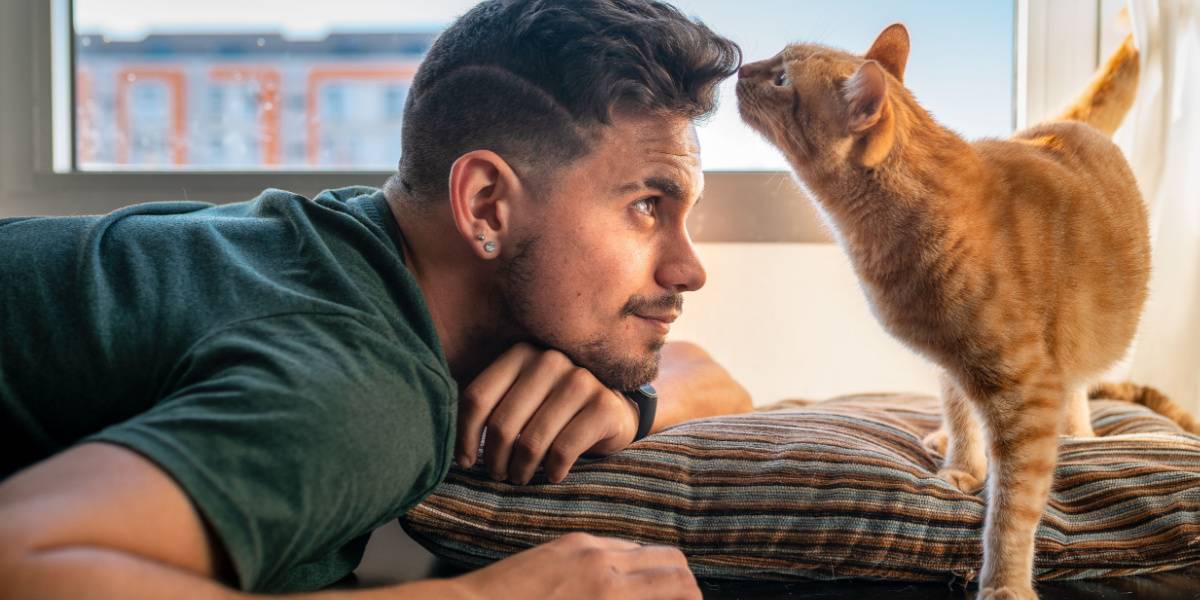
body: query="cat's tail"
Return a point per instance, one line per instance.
(1148, 397)
(1107, 98)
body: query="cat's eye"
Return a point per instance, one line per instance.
(781, 79)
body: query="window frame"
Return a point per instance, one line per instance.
(37, 174)
(1057, 48)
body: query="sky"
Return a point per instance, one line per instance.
(960, 67)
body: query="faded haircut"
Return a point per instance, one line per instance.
(535, 80)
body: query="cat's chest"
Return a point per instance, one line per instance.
(894, 248)
(900, 284)
(890, 260)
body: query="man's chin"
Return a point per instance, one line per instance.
(621, 372)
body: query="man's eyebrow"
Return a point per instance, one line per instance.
(668, 187)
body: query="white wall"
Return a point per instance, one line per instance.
(789, 321)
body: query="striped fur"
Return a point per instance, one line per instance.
(995, 259)
(835, 490)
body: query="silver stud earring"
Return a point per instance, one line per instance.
(479, 236)
(489, 247)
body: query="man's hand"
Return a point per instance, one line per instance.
(539, 407)
(579, 565)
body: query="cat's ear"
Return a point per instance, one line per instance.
(891, 50)
(866, 94)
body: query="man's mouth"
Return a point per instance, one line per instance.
(660, 322)
(657, 314)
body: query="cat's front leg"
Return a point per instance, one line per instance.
(960, 440)
(1079, 414)
(1022, 430)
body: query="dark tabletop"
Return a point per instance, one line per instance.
(393, 557)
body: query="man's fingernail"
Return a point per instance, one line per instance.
(497, 476)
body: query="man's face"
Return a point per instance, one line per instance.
(600, 262)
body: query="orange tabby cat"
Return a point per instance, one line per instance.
(996, 259)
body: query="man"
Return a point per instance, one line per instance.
(207, 398)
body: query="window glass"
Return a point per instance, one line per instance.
(272, 84)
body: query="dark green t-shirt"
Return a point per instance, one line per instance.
(273, 356)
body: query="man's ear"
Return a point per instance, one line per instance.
(891, 50)
(866, 96)
(482, 189)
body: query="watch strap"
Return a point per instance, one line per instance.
(646, 400)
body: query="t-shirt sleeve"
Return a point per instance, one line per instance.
(294, 436)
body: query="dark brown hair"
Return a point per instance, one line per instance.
(533, 80)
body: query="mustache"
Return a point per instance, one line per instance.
(642, 304)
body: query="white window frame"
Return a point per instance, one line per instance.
(1056, 49)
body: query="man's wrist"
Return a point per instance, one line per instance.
(645, 398)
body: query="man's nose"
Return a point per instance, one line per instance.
(684, 272)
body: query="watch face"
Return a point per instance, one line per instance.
(648, 391)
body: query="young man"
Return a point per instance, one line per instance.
(207, 398)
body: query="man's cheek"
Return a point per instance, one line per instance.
(606, 273)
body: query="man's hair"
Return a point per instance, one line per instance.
(534, 80)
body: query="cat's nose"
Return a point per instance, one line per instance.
(751, 70)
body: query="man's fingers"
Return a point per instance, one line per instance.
(649, 557)
(656, 572)
(583, 432)
(480, 397)
(662, 583)
(587, 540)
(564, 403)
(508, 419)
(537, 406)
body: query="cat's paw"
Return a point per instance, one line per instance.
(1007, 593)
(936, 442)
(1079, 429)
(968, 483)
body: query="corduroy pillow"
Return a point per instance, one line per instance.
(838, 489)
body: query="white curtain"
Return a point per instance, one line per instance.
(1161, 138)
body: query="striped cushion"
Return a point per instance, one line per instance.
(839, 489)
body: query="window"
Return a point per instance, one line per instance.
(59, 126)
(226, 84)
(231, 85)
(960, 67)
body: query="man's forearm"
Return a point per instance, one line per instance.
(90, 572)
(691, 385)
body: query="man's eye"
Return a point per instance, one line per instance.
(646, 206)
(781, 79)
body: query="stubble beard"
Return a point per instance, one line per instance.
(616, 368)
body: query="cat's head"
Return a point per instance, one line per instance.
(824, 106)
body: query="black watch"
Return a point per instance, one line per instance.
(646, 400)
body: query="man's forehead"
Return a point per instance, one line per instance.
(663, 153)
(667, 136)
